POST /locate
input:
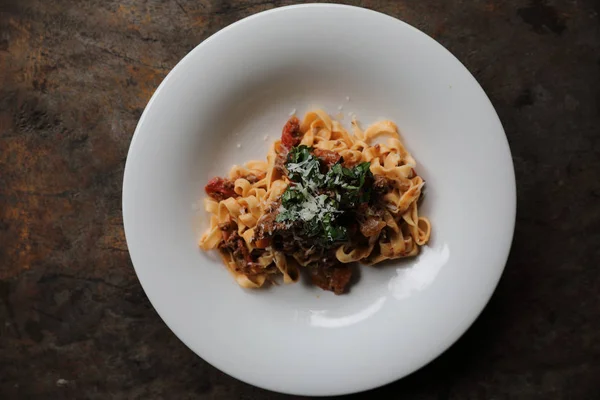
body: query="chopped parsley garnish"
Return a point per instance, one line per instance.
(319, 200)
(303, 166)
(349, 182)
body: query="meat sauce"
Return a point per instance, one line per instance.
(234, 244)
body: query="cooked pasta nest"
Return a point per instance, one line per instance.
(324, 198)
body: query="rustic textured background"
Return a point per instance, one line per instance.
(75, 76)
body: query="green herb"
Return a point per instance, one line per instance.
(292, 196)
(349, 182)
(303, 166)
(318, 200)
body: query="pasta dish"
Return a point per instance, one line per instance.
(323, 199)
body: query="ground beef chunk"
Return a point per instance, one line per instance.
(371, 226)
(236, 246)
(333, 278)
(267, 224)
(227, 228)
(279, 163)
(381, 184)
(328, 158)
(252, 178)
(370, 219)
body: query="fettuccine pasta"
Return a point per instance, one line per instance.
(324, 198)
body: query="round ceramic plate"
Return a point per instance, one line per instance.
(224, 103)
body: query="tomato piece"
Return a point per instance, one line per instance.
(220, 188)
(291, 135)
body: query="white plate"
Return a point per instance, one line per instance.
(240, 85)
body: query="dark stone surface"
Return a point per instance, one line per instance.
(74, 79)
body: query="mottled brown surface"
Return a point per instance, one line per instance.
(74, 79)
